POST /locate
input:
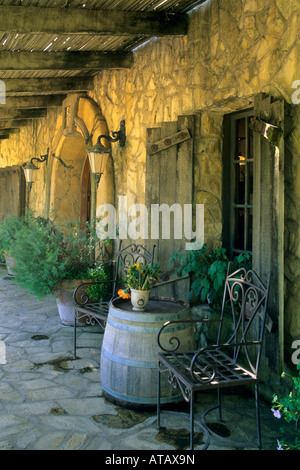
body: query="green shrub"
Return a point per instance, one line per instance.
(99, 291)
(207, 270)
(38, 255)
(46, 254)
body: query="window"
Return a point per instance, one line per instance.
(238, 183)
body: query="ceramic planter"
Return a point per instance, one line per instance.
(139, 299)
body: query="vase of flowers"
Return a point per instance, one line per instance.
(140, 278)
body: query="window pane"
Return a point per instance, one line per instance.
(250, 183)
(240, 137)
(239, 169)
(250, 140)
(249, 231)
(239, 222)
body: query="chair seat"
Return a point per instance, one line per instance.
(97, 310)
(212, 369)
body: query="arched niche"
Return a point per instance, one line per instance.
(72, 192)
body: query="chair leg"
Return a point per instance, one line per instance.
(158, 397)
(74, 354)
(192, 420)
(220, 404)
(257, 418)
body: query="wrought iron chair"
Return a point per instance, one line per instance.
(96, 312)
(232, 361)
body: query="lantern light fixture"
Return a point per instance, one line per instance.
(30, 167)
(98, 154)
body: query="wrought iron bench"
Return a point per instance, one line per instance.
(232, 361)
(96, 312)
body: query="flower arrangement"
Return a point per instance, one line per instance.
(289, 409)
(140, 277)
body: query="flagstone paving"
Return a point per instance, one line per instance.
(50, 401)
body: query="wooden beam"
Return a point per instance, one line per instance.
(17, 114)
(33, 20)
(11, 130)
(64, 60)
(13, 124)
(46, 86)
(27, 102)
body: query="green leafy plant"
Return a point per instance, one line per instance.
(45, 254)
(207, 270)
(289, 408)
(102, 291)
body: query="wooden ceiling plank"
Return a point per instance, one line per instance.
(12, 124)
(64, 60)
(34, 101)
(16, 114)
(31, 19)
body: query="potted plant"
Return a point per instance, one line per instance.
(53, 258)
(140, 278)
(8, 228)
(288, 408)
(207, 270)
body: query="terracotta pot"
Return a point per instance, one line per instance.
(10, 263)
(65, 302)
(139, 299)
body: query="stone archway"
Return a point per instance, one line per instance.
(81, 122)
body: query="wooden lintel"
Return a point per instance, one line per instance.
(67, 60)
(33, 20)
(34, 101)
(16, 114)
(46, 86)
(12, 124)
(167, 142)
(10, 130)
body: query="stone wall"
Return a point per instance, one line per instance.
(32, 141)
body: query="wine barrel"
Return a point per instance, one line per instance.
(129, 351)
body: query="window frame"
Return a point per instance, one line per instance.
(228, 197)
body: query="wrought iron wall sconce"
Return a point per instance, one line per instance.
(98, 154)
(30, 167)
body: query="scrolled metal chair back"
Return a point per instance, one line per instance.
(134, 253)
(244, 307)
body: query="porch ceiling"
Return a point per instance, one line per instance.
(54, 47)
